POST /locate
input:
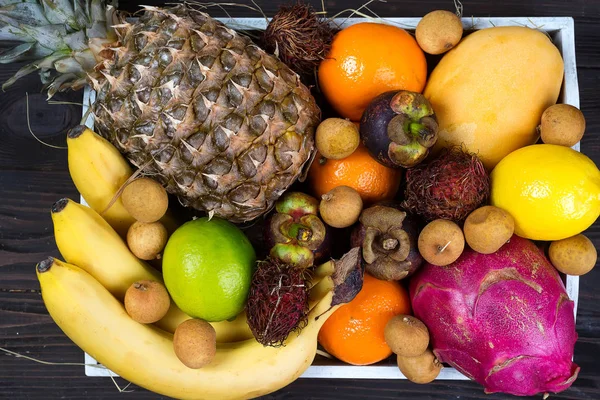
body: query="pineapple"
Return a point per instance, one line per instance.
(224, 126)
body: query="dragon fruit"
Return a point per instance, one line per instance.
(502, 319)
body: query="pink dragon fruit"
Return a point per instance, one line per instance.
(502, 319)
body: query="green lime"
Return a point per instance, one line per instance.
(207, 267)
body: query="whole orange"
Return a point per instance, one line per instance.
(367, 59)
(372, 180)
(354, 333)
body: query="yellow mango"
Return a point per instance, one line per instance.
(490, 91)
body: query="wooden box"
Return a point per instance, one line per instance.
(562, 32)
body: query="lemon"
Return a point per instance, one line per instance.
(552, 192)
(208, 267)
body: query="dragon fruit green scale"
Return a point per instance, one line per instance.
(502, 319)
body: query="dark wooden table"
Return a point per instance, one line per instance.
(33, 176)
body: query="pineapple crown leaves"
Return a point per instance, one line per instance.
(56, 35)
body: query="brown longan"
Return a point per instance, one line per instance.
(337, 138)
(420, 369)
(573, 256)
(341, 207)
(145, 199)
(562, 124)
(147, 301)
(439, 31)
(488, 228)
(147, 240)
(441, 242)
(195, 343)
(406, 336)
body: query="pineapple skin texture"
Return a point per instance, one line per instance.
(223, 125)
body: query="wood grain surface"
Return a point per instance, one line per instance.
(33, 176)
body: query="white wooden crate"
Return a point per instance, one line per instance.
(562, 32)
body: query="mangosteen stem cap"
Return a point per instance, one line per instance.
(390, 244)
(304, 234)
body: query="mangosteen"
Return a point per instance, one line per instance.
(399, 128)
(388, 238)
(295, 234)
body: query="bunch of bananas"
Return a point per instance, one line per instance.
(84, 297)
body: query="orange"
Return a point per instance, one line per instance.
(372, 180)
(354, 333)
(368, 59)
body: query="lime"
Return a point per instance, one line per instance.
(552, 192)
(207, 268)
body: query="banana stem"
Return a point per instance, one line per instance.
(77, 131)
(59, 205)
(45, 265)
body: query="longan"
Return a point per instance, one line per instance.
(145, 199)
(147, 240)
(439, 31)
(573, 256)
(341, 207)
(195, 343)
(441, 242)
(562, 124)
(406, 336)
(420, 369)
(488, 228)
(147, 301)
(337, 138)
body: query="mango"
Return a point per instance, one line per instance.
(490, 91)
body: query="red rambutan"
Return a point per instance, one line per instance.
(449, 186)
(278, 302)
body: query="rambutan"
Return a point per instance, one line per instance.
(299, 37)
(449, 186)
(278, 302)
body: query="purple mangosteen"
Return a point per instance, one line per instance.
(388, 238)
(295, 234)
(398, 128)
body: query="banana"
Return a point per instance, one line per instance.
(90, 316)
(85, 239)
(98, 170)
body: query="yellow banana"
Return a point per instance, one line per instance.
(143, 354)
(98, 170)
(85, 239)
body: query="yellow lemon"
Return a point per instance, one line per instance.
(552, 192)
